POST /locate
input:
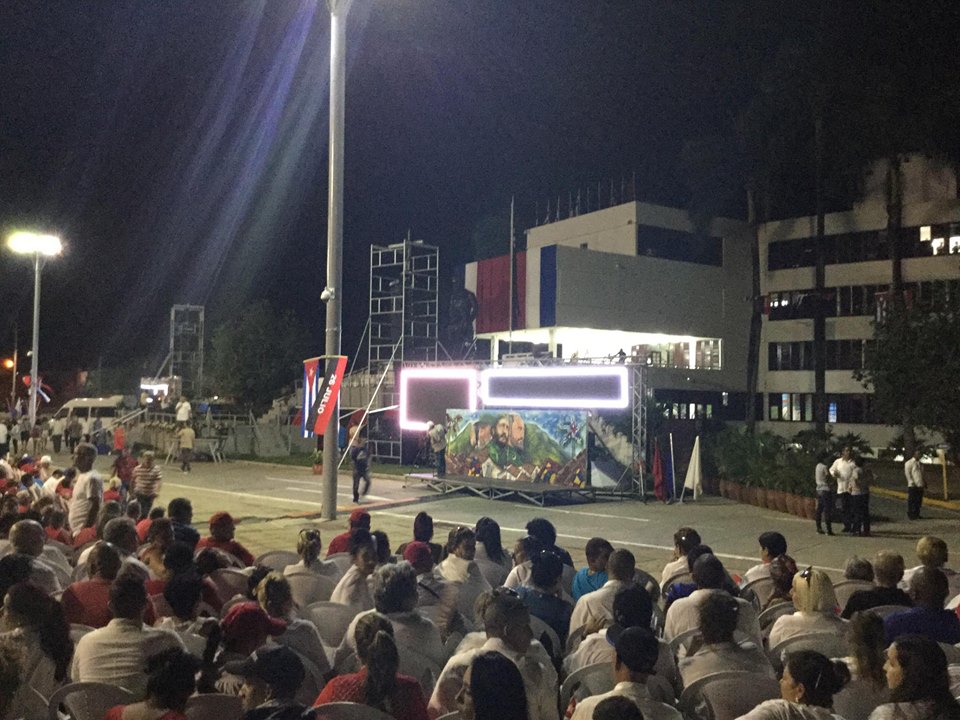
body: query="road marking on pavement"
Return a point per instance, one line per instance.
(339, 494)
(252, 496)
(649, 546)
(593, 514)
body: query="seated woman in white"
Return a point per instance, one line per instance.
(460, 568)
(809, 683)
(816, 605)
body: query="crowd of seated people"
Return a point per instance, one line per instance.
(148, 603)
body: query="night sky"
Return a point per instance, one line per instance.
(179, 147)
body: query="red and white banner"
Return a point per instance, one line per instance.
(320, 392)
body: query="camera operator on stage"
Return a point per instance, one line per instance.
(437, 433)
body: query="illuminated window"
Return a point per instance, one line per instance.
(954, 244)
(925, 234)
(937, 245)
(832, 412)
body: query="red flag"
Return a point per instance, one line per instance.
(326, 398)
(659, 491)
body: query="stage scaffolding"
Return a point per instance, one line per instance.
(404, 311)
(640, 396)
(186, 348)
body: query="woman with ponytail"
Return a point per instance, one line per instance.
(377, 684)
(34, 623)
(809, 682)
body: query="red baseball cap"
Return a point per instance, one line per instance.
(248, 618)
(360, 517)
(417, 552)
(222, 518)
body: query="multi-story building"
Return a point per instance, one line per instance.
(858, 275)
(633, 281)
(640, 278)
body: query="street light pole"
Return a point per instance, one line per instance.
(39, 247)
(334, 291)
(35, 357)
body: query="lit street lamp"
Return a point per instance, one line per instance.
(40, 247)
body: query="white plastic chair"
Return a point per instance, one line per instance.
(770, 615)
(214, 705)
(308, 588)
(540, 628)
(313, 680)
(595, 679)
(87, 700)
(455, 715)
(277, 559)
(691, 694)
(77, 631)
(349, 711)
(343, 561)
(762, 589)
(952, 653)
(229, 582)
(858, 699)
(830, 644)
(332, 620)
(684, 577)
(732, 697)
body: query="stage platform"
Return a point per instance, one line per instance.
(535, 493)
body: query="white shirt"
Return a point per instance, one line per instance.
(4, 434)
(55, 560)
(469, 581)
(842, 470)
(822, 476)
(596, 648)
(721, 657)
(117, 654)
(422, 654)
(913, 470)
(323, 568)
(183, 411)
(303, 637)
(86, 488)
(44, 577)
(674, 567)
(756, 572)
(638, 693)
(684, 614)
(50, 486)
(596, 605)
(785, 710)
(538, 681)
(800, 623)
(353, 590)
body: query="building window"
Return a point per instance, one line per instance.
(850, 408)
(791, 407)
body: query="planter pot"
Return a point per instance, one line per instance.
(737, 492)
(711, 486)
(810, 508)
(724, 487)
(779, 500)
(769, 501)
(318, 469)
(762, 498)
(795, 505)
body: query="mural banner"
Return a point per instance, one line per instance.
(536, 446)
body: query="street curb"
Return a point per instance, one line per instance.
(897, 494)
(373, 476)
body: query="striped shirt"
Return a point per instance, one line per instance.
(146, 481)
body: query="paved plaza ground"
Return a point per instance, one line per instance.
(273, 502)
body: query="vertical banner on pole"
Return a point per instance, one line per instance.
(694, 479)
(673, 474)
(320, 391)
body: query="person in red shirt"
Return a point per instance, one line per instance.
(86, 602)
(143, 527)
(378, 684)
(222, 529)
(113, 490)
(341, 543)
(54, 521)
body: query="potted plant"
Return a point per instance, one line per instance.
(317, 459)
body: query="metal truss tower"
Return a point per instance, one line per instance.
(639, 406)
(186, 347)
(404, 312)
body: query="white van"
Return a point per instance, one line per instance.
(108, 409)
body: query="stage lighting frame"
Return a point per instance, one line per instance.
(600, 403)
(467, 374)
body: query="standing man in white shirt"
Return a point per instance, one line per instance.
(87, 489)
(842, 471)
(824, 495)
(915, 485)
(184, 411)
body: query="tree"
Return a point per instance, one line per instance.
(912, 367)
(258, 353)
